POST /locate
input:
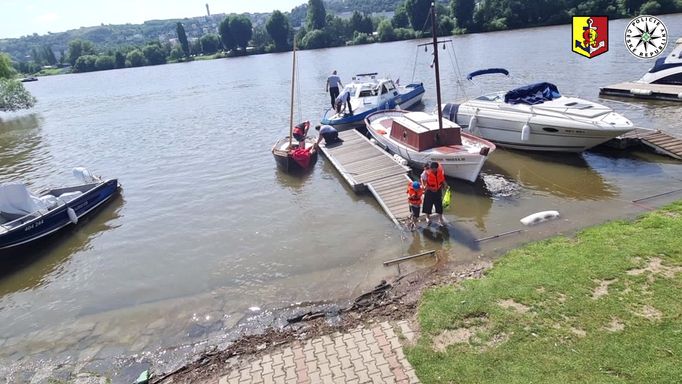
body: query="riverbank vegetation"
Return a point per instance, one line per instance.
(602, 306)
(13, 95)
(313, 25)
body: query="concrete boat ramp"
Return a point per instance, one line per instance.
(367, 167)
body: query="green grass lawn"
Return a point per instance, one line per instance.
(604, 306)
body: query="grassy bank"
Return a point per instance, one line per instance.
(601, 307)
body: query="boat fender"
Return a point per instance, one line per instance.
(373, 140)
(679, 95)
(72, 215)
(473, 124)
(398, 159)
(641, 92)
(525, 132)
(539, 217)
(484, 151)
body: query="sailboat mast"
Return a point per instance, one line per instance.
(435, 62)
(291, 110)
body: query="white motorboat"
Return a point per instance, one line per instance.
(537, 117)
(417, 137)
(666, 70)
(421, 138)
(369, 94)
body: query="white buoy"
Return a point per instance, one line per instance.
(641, 92)
(473, 124)
(400, 160)
(372, 140)
(72, 215)
(539, 217)
(525, 132)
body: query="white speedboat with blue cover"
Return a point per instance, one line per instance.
(537, 117)
(666, 70)
(369, 94)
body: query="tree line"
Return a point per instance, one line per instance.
(236, 35)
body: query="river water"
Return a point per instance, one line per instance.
(206, 227)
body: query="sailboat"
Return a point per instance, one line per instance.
(289, 155)
(421, 138)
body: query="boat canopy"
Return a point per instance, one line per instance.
(16, 199)
(532, 94)
(487, 71)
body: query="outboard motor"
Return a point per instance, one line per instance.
(450, 111)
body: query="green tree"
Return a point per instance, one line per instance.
(13, 95)
(631, 7)
(385, 31)
(104, 63)
(6, 69)
(85, 63)
(48, 55)
(315, 39)
(242, 30)
(445, 25)
(400, 19)
(135, 58)
(78, 48)
(463, 12)
(418, 13)
(337, 31)
(154, 54)
(182, 38)
(119, 60)
(278, 28)
(317, 15)
(210, 44)
(361, 23)
(226, 37)
(177, 54)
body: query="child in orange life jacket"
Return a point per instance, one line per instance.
(414, 199)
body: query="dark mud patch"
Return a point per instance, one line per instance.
(393, 300)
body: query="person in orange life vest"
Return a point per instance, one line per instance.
(433, 196)
(414, 199)
(301, 131)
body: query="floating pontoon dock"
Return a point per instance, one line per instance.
(659, 141)
(644, 91)
(366, 166)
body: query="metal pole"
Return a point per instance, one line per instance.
(435, 61)
(291, 111)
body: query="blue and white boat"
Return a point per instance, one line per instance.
(370, 94)
(25, 217)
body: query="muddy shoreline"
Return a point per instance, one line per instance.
(392, 300)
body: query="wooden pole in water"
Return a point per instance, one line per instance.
(291, 110)
(435, 63)
(405, 258)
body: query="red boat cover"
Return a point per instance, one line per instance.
(301, 156)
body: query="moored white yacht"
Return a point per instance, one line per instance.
(666, 70)
(537, 117)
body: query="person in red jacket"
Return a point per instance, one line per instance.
(300, 131)
(433, 195)
(414, 199)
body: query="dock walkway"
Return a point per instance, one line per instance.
(659, 141)
(367, 167)
(644, 91)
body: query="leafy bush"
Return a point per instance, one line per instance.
(104, 63)
(13, 96)
(315, 39)
(85, 63)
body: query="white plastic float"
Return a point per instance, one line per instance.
(539, 217)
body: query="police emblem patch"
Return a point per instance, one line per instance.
(646, 37)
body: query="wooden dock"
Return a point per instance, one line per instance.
(657, 140)
(644, 91)
(367, 167)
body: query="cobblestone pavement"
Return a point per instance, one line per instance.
(364, 355)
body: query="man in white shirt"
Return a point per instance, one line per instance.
(333, 84)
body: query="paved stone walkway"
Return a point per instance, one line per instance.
(364, 355)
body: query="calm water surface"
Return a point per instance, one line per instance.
(206, 226)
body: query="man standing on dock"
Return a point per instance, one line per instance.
(333, 84)
(434, 183)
